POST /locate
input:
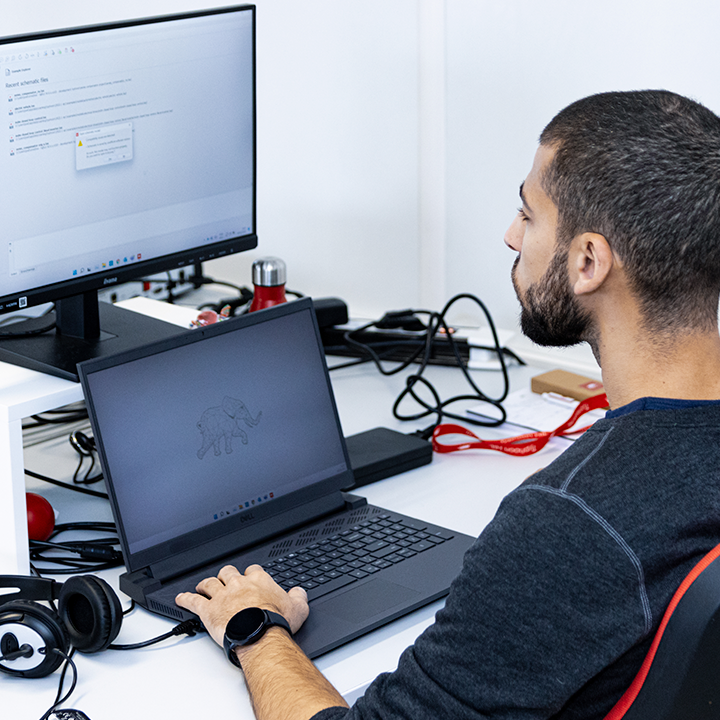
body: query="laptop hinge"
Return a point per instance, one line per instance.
(247, 537)
(353, 502)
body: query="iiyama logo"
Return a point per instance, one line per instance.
(109, 281)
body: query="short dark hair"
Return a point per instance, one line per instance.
(643, 170)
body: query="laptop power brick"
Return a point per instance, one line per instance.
(380, 453)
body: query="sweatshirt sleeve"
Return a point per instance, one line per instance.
(547, 597)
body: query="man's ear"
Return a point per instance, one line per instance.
(590, 261)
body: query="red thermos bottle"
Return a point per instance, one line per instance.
(268, 275)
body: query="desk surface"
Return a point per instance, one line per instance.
(181, 678)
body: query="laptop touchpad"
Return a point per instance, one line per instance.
(358, 603)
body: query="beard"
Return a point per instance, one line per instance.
(550, 312)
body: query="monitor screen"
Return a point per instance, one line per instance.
(129, 148)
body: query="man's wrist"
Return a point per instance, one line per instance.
(274, 640)
(248, 627)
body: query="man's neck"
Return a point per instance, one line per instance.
(684, 366)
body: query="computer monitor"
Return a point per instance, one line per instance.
(125, 149)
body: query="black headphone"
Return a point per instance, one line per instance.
(34, 640)
(83, 444)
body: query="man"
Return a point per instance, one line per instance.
(618, 242)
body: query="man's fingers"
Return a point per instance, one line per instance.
(298, 593)
(300, 609)
(190, 601)
(228, 573)
(209, 585)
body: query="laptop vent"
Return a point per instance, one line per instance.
(308, 535)
(164, 609)
(333, 526)
(360, 514)
(280, 548)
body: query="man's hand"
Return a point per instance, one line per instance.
(283, 683)
(219, 598)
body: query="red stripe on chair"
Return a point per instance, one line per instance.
(624, 703)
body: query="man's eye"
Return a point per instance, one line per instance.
(522, 215)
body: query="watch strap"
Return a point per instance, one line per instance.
(270, 619)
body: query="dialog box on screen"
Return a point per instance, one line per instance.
(103, 146)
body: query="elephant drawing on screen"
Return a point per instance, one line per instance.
(223, 422)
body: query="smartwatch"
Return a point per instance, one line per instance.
(247, 627)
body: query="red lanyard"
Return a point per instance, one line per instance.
(520, 444)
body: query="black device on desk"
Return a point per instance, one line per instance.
(223, 446)
(130, 150)
(381, 453)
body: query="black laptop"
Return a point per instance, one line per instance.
(222, 445)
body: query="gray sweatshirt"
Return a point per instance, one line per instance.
(558, 599)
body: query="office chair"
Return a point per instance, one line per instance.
(680, 677)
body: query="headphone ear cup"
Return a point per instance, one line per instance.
(26, 622)
(91, 612)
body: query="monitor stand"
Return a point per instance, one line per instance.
(84, 328)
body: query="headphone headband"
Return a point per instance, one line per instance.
(29, 588)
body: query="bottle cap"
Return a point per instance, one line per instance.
(269, 271)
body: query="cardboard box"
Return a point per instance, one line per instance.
(566, 383)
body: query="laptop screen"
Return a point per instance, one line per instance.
(226, 422)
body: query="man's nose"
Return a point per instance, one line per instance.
(514, 234)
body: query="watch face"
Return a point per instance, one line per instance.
(245, 624)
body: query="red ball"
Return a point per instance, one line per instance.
(40, 516)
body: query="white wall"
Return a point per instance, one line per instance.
(337, 138)
(511, 65)
(348, 143)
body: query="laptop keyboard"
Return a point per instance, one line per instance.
(355, 553)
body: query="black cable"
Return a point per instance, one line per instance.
(422, 354)
(86, 480)
(96, 525)
(419, 344)
(350, 363)
(205, 280)
(86, 550)
(188, 627)
(59, 698)
(67, 410)
(59, 483)
(386, 348)
(93, 555)
(70, 417)
(245, 298)
(170, 285)
(14, 319)
(35, 328)
(66, 566)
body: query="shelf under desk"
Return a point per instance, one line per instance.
(22, 393)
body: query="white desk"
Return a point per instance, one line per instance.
(187, 678)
